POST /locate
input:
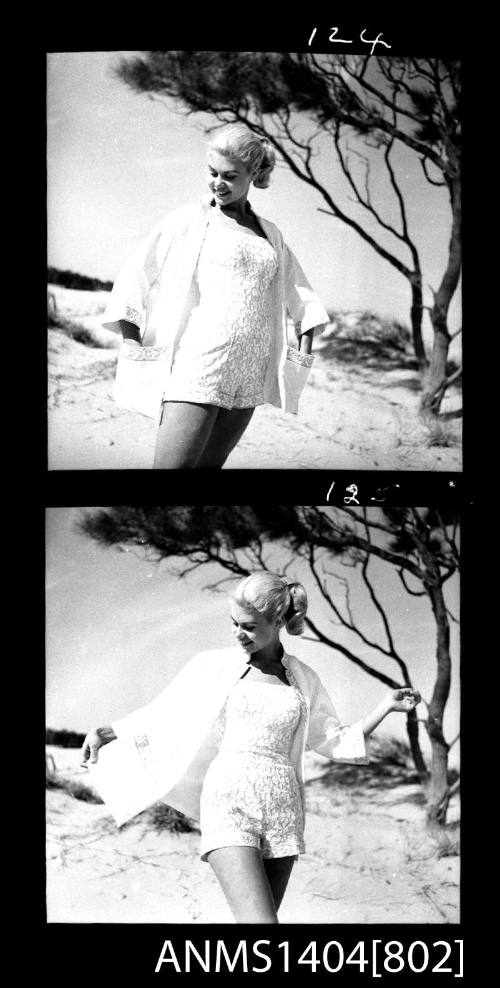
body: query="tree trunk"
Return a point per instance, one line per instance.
(416, 321)
(412, 731)
(435, 378)
(438, 785)
(437, 803)
(435, 382)
(413, 738)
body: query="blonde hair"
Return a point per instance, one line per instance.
(275, 597)
(256, 153)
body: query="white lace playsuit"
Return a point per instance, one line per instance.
(251, 794)
(223, 354)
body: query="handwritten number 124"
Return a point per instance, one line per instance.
(345, 41)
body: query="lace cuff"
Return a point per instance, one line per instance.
(133, 315)
(305, 359)
(115, 311)
(133, 350)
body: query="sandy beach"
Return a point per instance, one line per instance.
(369, 859)
(352, 416)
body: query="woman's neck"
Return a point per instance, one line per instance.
(271, 655)
(235, 210)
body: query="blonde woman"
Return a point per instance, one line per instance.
(225, 744)
(203, 307)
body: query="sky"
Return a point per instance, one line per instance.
(119, 628)
(117, 162)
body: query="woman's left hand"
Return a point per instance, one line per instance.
(404, 700)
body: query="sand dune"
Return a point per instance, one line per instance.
(352, 415)
(369, 860)
(350, 419)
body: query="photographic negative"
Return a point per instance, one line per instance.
(290, 669)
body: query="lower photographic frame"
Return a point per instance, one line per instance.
(133, 594)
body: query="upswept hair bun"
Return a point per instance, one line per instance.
(256, 153)
(294, 619)
(275, 597)
(263, 178)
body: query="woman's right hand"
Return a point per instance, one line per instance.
(93, 741)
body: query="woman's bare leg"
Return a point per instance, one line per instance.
(278, 871)
(228, 429)
(183, 433)
(242, 877)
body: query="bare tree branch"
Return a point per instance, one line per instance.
(374, 598)
(413, 593)
(364, 201)
(325, 640)
(350, 624)
(432, 181)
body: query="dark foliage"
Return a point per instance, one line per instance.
(208, 530)
(70, 279)
(76, 789)
(390, 765)
(64, 738)
(73, 329)
(162, 817)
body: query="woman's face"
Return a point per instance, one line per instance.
(252, 630)
(228, 178)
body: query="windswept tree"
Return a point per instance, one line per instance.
(419, 545)
(362, 103)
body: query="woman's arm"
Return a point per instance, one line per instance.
(403, 700)
(302, 304)
(127, 301)
(95, 740)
